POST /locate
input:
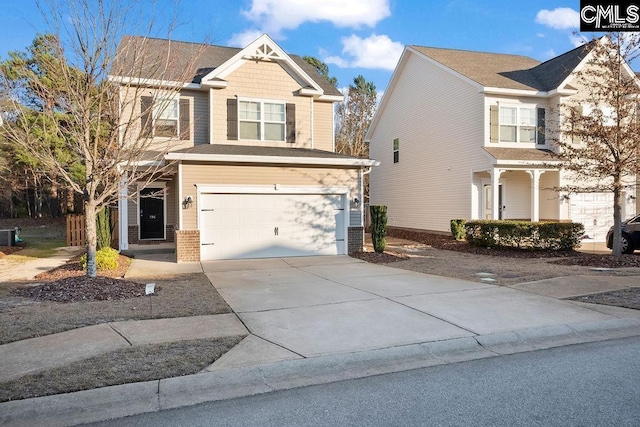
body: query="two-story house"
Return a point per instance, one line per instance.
(250, 137)
(463, 134)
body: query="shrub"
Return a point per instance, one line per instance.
(106, 259)
(103, 229)
(555, 236)
(378, 227)
(457, 228)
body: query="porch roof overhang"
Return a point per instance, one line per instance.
(531, 157)
(225, 153)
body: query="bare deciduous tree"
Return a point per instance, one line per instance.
(598, 135)
(95, 107)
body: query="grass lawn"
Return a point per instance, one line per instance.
(178, 296)
(40, 239)
(135, 364)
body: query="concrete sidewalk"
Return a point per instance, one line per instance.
(321, 319)
(15, 268)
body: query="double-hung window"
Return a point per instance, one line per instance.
(517, 124)
(261, 120)
(165, 117)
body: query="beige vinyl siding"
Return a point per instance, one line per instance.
(549, 198)
(199, 115)
(268, 81)
(516, 187)
(323, 126)
(204, 173)
(198, 120)
(438, 119)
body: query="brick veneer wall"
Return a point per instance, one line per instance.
(356, 239)
(187, 245)
(133, 234)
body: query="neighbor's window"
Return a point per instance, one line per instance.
(396, 150)
(517, 124)
(261, 120)
(165, 117)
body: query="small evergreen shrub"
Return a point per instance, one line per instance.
(557, 236)
(103, 229)
(106, 259)
(378, 227)
(457, 228)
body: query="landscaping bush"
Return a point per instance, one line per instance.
(106, 259)
(557, 236)
(457, 228)
(378, 227)
(103, 229)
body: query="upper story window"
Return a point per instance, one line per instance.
(396, 150)
(165, 117)
(517, 124)
(261, 120)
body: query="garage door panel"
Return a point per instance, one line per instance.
(595, 212)
(268, 225)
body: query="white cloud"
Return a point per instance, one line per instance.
(560, 18)
(550, 54)
(372, 52)
(273, 16)
(244, 38)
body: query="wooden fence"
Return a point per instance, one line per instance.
(76, 229)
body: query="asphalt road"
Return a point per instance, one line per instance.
(596, 384)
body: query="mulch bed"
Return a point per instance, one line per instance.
(82, 288)
(380, 258)
(628, 298)
(74, 269)
(446, 242)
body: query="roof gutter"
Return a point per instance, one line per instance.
(234, 158)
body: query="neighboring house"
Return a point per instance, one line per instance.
(254, 170)
(461, 134)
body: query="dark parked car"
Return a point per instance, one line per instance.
(630, 235)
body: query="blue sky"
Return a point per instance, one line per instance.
(352, 36)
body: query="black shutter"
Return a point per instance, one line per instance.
(232, 119)
(494, 118)
(146, 110)
(541, 126)
(185, 120)
(291, 123)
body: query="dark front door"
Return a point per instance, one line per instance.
(152, 213)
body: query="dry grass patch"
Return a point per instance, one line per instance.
(177, 296)
(135, 364)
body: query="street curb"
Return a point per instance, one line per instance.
(131, 399)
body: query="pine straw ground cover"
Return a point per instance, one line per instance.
(64, 299)
(439, 254)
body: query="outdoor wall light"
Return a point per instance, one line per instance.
(356, 201)
(186, 203)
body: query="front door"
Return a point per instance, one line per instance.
(487, 202)
(152, 213)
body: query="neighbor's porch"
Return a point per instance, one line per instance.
(518, 193)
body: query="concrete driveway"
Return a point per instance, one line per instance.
(312, 306)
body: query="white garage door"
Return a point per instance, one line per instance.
(595, 211)
(268, 225)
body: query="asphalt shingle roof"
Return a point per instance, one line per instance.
(251, 150)
(508, 71)
(530, 154)
(161, 59)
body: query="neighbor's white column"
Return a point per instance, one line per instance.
(495, 193)
(123, 216)
(535, 194)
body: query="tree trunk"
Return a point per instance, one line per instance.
(617, 218)
(90, 226)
